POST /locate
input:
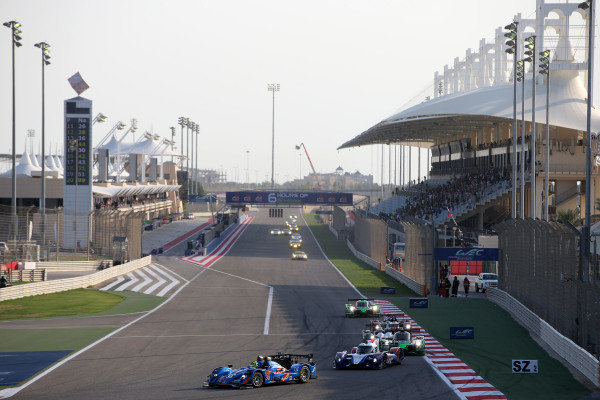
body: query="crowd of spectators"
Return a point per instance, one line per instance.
(431, 201)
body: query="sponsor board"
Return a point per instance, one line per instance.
(387, 290)
(272, 198)
(419, 303)
(462, 332)
(465, 254)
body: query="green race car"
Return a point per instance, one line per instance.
(414, 346)
(362, 308)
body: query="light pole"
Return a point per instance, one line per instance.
(196, 159)
(512, 49)
(273, 87)
(172, 140)
(248, 167)
(521, 78)
(190, 125)
(14, 26)
(30, 135)
(183, 122)
(588, 5)
(530, 53)
(545, 70)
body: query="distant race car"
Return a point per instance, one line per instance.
(296, 236)
(411, 345)
(272, 369)
(276, 232)
(287, 232)
(295, 244)
(294, 217)
(367, 355)
(362, 308)
(294, 228)
(299, 255)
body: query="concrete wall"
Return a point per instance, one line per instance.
(370, 238)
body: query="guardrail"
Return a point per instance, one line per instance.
(573, 354)
(332, 229)
(405, 280)
(74, 265)
(60, 285)
(361, 256)
(25, 275)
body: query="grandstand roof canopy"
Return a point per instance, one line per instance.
(129, 190)
(453, 116)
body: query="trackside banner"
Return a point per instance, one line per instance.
(274, 198)
(464, 254)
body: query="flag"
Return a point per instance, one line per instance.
(449, 214)
(78, 84)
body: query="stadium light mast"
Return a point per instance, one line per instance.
(530, 53)
(585, 230)
(545, 70)
(273, 87)
(521, 78)
(512, 49)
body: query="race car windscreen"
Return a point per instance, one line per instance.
(402, 336)
(363, 350)
(362, 304)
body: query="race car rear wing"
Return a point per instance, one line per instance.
(360, 299)
(287, 360)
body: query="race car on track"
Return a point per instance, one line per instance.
(265, 370)
(294, 228)
(276, 232)
(296, 236)
(299, 255)
(367, 355)
(287, 232)
(295, 244)
(362, 308)
(411, 345)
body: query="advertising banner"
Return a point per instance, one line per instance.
(282, 198)
(419, 303)
(462, 332)
(464, 254)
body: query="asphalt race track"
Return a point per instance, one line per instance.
(219, 318)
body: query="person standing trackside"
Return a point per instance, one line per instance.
(455, 286)
(447, 287)
(466, 285)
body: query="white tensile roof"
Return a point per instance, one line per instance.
(129, 190)
(467, 111)
(24, 168)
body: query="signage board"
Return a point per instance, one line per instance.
(387, 290)
(465, 254)
(462, 332)
(280, 198)
(419, 302)
(77, 138)
(524, 366)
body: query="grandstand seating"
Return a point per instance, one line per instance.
(389, 205)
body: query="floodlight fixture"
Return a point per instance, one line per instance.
(511, 27)
(273, 87)
(585, 5)
(510, 43)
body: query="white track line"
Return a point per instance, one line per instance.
(146, 281)
(171, 271)
(173, 283)
(160, 280)
(133, 280)
(113, 284)
(5, 393)
(268, 314)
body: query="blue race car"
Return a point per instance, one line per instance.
(272, 369)
(368, 355)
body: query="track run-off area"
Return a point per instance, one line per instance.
(246, 298)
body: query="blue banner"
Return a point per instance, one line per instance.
(387, 290)
(419, 303)
(462, 332)
(275, 198)
(464, 254)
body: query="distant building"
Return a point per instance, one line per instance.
(337, 180)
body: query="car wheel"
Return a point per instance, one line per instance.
(304, 374)
(257, 379)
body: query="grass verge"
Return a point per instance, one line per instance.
(61, 304)
(498, 340)
(364, 277)
(50, 339)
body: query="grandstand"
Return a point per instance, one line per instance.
(467, 124)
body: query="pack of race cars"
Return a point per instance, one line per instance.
(292, 230)
(386, 342)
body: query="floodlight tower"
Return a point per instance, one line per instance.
(273, 87)
(512, 49)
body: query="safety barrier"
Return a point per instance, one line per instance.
(25, 275)
(362, 256)
(405, 280)
(573, 354)
(74, 265)
(60, 285)
(332, 229)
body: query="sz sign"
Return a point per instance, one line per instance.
(465, 254)
(524, 366)
(418, 303)
(279, 198)
(462, 332)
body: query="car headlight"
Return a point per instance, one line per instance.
(406, 326)
(418, 343)
(243, 377)
(375, 360)
(215, 375)
(377, 327)
(352, 308)
(374, 308)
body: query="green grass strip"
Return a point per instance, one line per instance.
(50, 339)
(61, 304)
(366, 279)
(133, 302)
(499, 339)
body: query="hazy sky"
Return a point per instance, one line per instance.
(343, 66)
